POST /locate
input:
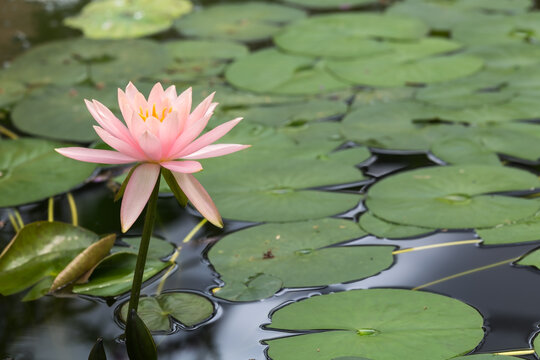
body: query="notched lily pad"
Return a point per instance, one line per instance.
(30, 170)
(520, 231)
(453, 197)
(384, 229)
(160, 312)
(379, 324)
(256, 262)
(249, 21)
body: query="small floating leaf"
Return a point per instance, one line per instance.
(139, 342)
(423, 325)
(189, 309)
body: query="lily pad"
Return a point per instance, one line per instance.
(39, 250)
(114, 275)
(122, 19)
(408, 64)
(464, 151)
(10, 92)
(158, 248)
(520, 231)
(387, 230)
(249, 21)
(188, 309)
(347, 35)
(384, 324)
(271, 71)
(297, 254)
(330, 4)
(60, 112)
(30, 170)
(287, 114)
(485, 357)
(453, 197)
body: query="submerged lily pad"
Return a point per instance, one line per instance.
(188, 309)
(347, 35)
(249, 21)
(384, 229)
(39, 250)
(295, 255)
(121, 19)
(30, 170)
(384, 324)
(453, 197)
(271, 71)
(60, 113)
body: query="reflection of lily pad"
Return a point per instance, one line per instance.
(347, 35)
(384, 229)
(249, 21)
(453, 196)
(60, 112)
(189, 309)
(408, 64)
(270, 71)
(121, 19)
(39, 250)
(298, 254)
(30, 170)
(384, 324)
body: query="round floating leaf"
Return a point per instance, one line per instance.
(249, 21)
(379, 324)
(453, 196)
(347, 35)
(524, 230)
(30, 170)
(485, 357)
(10, 91)
(121, 19)
(391, 70)
(531, 259)
(39, 250)
(506, 55)
(317, 132)
(60, 112)
(290, 114)
(158, 248)
(384, 229)
(270, 71)
(330, 4)
(464, 151)
(114, 275)
(373, 96)
(228, 96)
(189, 309)
(296, 254)
(256, 287)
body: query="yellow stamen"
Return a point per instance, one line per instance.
(144, 114)
(154, 114)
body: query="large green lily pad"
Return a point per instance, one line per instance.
(408, 64)
(347, 35)
(485, 357)
(520, 231)
(30, 170)
(10, 91)
(60, 113)
(75, 60)
(41, 249)
(113, 19)
(383, 324)
(188, 309)
(329, 4)
(464, 151)
(453, 196)
(249, 21)
(297, 254)
(271, 71)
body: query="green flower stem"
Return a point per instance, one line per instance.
(149, 220)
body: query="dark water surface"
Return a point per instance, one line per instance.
(508, 296)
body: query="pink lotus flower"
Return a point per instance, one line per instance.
(161, 132)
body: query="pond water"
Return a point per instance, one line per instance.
(484, 276)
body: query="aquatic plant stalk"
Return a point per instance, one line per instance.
(149, 219)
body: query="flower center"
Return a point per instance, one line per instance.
(144, 114)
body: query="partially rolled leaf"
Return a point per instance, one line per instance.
(173, 185)
(83, 262)
(98, 351)
(139, 342)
